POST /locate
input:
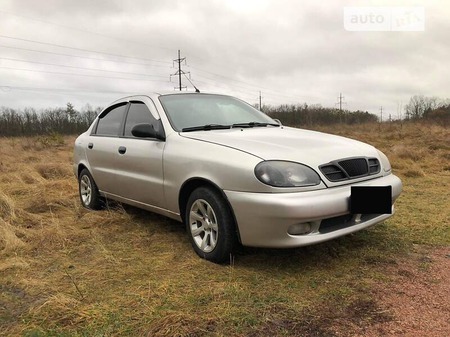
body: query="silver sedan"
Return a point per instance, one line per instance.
(231, 173)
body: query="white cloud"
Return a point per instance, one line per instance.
(292, 51)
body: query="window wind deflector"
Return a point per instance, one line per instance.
(206, 127)
(253, 124)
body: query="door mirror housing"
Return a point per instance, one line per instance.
(147, 131)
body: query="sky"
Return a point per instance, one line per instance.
(286, 51)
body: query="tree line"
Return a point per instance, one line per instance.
(67, 120)
(30, 122)
(304, 114)
(419, 107)
(428, 108)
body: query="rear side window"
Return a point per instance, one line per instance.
(137, 114)
(109, 124)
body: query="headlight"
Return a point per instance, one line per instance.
(286, 174)
(384, 161)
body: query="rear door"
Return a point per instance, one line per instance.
(102, 148)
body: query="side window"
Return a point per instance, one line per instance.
(137, 114)
(109, 124)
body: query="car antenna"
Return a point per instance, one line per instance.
(196, 89)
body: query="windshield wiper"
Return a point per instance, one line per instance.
(252, 124)
(206, 127)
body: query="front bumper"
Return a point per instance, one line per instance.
(263, 219)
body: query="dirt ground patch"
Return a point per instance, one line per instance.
(415, 300)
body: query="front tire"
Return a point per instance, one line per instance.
(88, 191)
(210, 225)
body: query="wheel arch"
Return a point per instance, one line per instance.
(80, 168)
(190, 185)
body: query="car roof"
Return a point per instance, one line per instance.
(155, 95)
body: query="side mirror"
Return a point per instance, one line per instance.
(146, 131)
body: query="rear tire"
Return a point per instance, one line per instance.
(210, 225)
(88, 191)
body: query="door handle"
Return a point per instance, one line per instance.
(122, 149)
(90, 145)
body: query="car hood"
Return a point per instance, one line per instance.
(284, 143)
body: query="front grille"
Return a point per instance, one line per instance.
(351, 168)
(355, 167)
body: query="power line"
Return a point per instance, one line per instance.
(219, 85)
(226, 77)
(75, 67)
(79, 29)
(248, 94)
(247, 90)
(82, 75)
(253, 86)
(124, 56)
(110, 37)
(214, 81)
(179, 73)
(106, 36)
(127, 40)
(7, 88)
(247, 86)
(80, 49)
(84, 57)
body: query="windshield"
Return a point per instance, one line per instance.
(195, 110)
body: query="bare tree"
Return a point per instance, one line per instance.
(419, 105)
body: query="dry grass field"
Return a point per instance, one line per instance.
(67, 271)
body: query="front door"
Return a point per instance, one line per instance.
(139, 166)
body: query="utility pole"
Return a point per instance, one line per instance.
(340, 98)
(180, 72)
(179, 67)
(381, 113)
(260, 104)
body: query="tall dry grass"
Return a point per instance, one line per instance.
(122, 271)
